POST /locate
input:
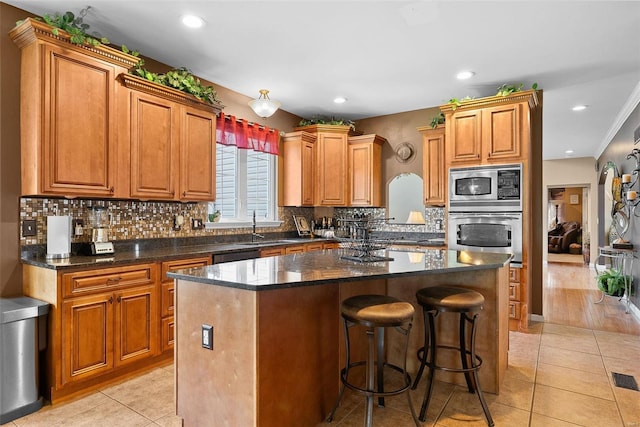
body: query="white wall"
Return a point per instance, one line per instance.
(573, 173)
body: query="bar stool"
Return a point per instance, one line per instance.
(375, 312)
(441, 299)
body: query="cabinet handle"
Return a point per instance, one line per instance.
(111, 300)
(119, 298)
(184, 194)
(113, 280)
(478, 156)
(112, 190)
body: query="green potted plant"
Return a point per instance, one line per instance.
(215, 217)
(612, 282)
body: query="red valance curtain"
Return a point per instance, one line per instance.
(242, 134)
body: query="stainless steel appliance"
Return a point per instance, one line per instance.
(499, 232)
(492, 188)
(485, 209)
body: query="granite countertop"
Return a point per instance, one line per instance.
(323, 267)
(153, 250)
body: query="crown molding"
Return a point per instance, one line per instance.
(621, 118)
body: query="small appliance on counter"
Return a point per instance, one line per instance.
(99, 224)
(58, 237)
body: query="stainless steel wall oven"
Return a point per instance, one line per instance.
(485, 209)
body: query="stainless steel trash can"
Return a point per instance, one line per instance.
(23, 334)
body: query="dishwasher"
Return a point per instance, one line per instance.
(236, 256)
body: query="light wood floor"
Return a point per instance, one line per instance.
(569, 298)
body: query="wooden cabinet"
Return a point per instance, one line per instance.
(489, 130)
(298, 169)
(167, 293)
(296, 249)
(434, 172)
(271, 252)
(365, 170)
(169, 146)
(68, 116)
(330, 164)
(113, 321)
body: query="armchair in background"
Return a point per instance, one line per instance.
(563, 235)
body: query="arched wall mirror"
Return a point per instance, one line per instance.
(405, 196)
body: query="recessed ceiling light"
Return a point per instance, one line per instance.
(463, 75)
(340, 100)
(579, 107)
(192, 21)
(568, 152)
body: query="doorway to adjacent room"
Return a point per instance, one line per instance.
(568, 224)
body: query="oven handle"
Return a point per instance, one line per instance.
(458, 216)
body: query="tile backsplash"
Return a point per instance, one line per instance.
(131, 219)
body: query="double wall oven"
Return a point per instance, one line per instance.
(485, 209)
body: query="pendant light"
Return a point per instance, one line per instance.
(263, 106)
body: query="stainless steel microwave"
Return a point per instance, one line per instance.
(492, 188)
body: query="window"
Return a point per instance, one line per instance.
(245, 182)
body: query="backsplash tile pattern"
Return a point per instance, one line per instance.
(132, 219)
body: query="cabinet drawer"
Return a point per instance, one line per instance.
(84, 282)
(166, 299)
(168, 334)
(514, 310)
(514, 291)
(169, 266)
(313, 247)
(271, 252)
(331, 245)
(514, 274)
(294, 250)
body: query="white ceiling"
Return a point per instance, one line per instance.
(393, 56)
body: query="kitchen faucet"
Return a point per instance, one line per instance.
(254, 234)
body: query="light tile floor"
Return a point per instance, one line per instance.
(558, 376)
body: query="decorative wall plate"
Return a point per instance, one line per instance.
(405, 152)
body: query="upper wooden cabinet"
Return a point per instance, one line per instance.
(68, 116)
(169, 143)
(298, 166)
(365, 170)
(434, 173)
(488, 130)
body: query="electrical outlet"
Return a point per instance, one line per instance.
(29, 228)
(197, 224)
(207, 336)
(78, 227)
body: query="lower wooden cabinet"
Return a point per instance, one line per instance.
(167, 297)
(113, 327)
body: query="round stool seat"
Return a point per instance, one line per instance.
(449, 298)
(377, 310)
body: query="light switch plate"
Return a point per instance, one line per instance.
(29, 228)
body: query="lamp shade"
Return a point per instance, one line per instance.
(264, 106)
(415, 217)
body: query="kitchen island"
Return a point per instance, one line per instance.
(277, 343)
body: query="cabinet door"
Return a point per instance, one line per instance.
(294, 250)
(168, 334)
(433, 168)
(466, 137)
(501, 132)
(364, 174)
(87, 336)
(307, 177)
(79, 126)
(331, 163)
(198, 155)
(136, 324)
(272, 252)
(298, 163)
(154, 139)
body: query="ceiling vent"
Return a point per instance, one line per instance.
(636, 135)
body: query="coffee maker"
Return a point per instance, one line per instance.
(99, 225)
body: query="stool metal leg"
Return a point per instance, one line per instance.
(483, 403)
(368, 415)
(380, 360)
(422, 352)
(431, 363)
(463, 349)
